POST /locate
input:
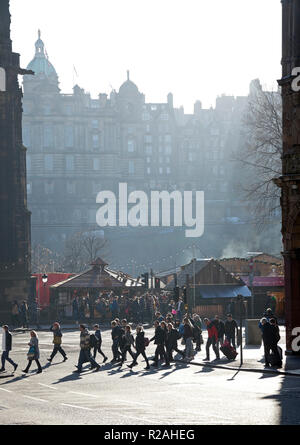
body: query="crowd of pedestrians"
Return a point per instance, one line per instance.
(168, 331)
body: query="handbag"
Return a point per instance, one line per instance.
(31, 353)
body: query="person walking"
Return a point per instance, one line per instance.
(57, 341)
(97, 348)
(188, 338)
(128, 342)
(230, 329)
(140, 346)
(197, 325)
(6, 348)
(271, 336)
(115, 335)
(160, 342)
(24, 314)
(33, 353)
(221, 330)
(212, 339)
(171, 342)
(85, 350)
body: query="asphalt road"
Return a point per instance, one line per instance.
(183, 394)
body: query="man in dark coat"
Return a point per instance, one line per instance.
(160, 338)
(171, 342)
(231, 328)
(6, 348)
(271, 336)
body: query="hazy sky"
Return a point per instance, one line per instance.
(197, 49)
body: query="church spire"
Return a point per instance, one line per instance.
(4, 21)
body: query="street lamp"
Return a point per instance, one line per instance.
(45, 279)
(241, 307)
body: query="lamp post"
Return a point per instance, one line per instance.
(240, 300)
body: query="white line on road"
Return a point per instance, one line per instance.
(6, 390)
(48, 386)
(129, 402)
(82, 394)
(76, 406)
(36, 399)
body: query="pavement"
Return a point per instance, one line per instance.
(183, 394)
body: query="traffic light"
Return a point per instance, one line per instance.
(176, 294)
(157, 283)
(145, 280)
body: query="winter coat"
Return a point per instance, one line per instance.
(57, 335)
(230, 328)
(8, 340)
(160, 336)
(172, 337)
(34, 341)
(140, 341)
(270, 334)
(188, 332)
(85, 340)
(212, 331)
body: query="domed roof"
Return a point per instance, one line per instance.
(128, 88)
(40, 63)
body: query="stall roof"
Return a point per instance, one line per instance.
(222, 290)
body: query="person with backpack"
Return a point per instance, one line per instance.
(57, 340)
(6, 348)
(85, 350)
(97, 343)
(128, 342)
(171, 342)
(140, 344)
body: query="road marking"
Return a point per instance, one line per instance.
(76, 406)
(36, 399)
(48, 386)
(141, 419)
(82, 394)
(129, 402)
(6, 390)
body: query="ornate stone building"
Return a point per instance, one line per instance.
(290, 179)
(14, 215)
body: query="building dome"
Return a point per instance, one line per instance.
(128, 88)
(40, 63)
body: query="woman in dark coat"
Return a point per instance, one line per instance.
(140, 347)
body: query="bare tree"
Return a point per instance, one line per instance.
(81, 249)
(260, 154)
(44, 260)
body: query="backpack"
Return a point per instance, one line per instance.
(146, 341)
(93, 341)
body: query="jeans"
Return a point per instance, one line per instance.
(160, 351)
(56, 349)
(143, 354)
(212, 341)
(4, 357)
(29, 364)
(85, 356)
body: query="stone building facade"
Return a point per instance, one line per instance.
(290, 179)
(14, 215)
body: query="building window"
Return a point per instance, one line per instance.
(28, 162)
(95, 140)
(149, 150)
(168, 149)
(168, 138)
(130, 146)
(69, 136)
(148, 160)
(95, 124)
(26, 136)
(168, 171)
(69, 163)
(164, 117)
(131, 167)
(148, 171)
(71, 188)
(148, 139)
(48, 162)
(48, 137)
(96, 164)
(160, 170)
(49, 187)
(145, 116)
(29, 188)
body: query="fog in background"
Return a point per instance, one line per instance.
(196, 49)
